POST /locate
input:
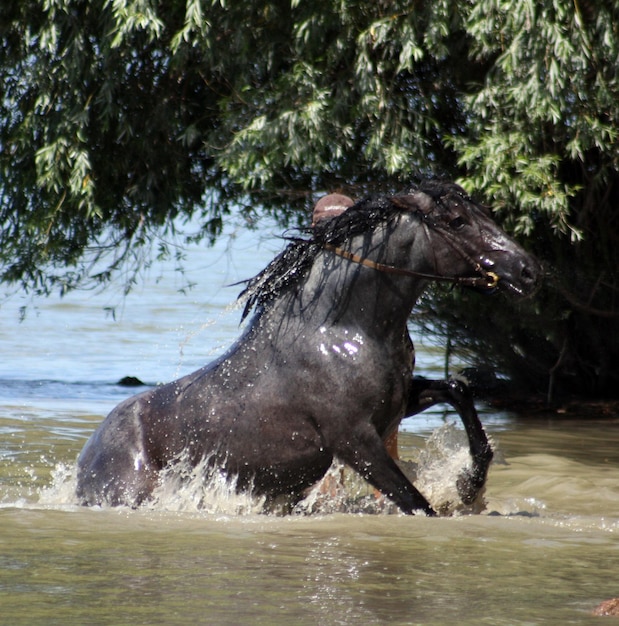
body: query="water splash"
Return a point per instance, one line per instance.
(199, 489)
(343, 491)
(445, 456)
(434, 472)
(217, 320)
(61, 491)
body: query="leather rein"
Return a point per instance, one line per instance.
(486, 279)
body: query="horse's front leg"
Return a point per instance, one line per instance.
(365, 452)
(426, 393)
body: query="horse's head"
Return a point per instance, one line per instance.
(434, 231)
(464, 241)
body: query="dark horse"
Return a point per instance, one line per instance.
(324, 369)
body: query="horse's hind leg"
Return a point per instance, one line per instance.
(114, 481)
(426, 393)
(112, 468)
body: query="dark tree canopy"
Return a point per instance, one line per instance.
(120, 119)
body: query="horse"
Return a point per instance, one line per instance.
(324, 367)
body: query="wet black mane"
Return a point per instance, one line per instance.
(290, 266)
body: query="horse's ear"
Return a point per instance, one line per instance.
(415, 202)
(330, 206)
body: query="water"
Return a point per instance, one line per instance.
(544, 550)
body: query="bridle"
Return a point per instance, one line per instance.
(486, 279)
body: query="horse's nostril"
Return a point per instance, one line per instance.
(530, 274)
(527, 275)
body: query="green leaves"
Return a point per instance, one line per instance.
(195, 26)
(508, 169)
(121, 118)
(131, 16)
(131, 111)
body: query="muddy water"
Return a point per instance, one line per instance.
(545, 549)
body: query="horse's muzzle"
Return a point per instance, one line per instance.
(522, 277)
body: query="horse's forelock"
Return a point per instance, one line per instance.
(415, 202)
(432, 200)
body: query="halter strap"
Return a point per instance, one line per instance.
(488, 280)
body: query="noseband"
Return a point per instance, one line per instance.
(487, 280)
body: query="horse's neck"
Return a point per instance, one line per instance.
(341, 294)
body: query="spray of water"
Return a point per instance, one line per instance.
(434, 472)
(61, 491)
(445, 456)
(191, 335)
(200, 489)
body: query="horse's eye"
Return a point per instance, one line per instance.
(457, 223)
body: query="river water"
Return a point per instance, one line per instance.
(545, 550)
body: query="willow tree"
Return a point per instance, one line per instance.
(542, 144)
(120, 119)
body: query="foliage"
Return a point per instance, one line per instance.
(120, 119)
(542, 144)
